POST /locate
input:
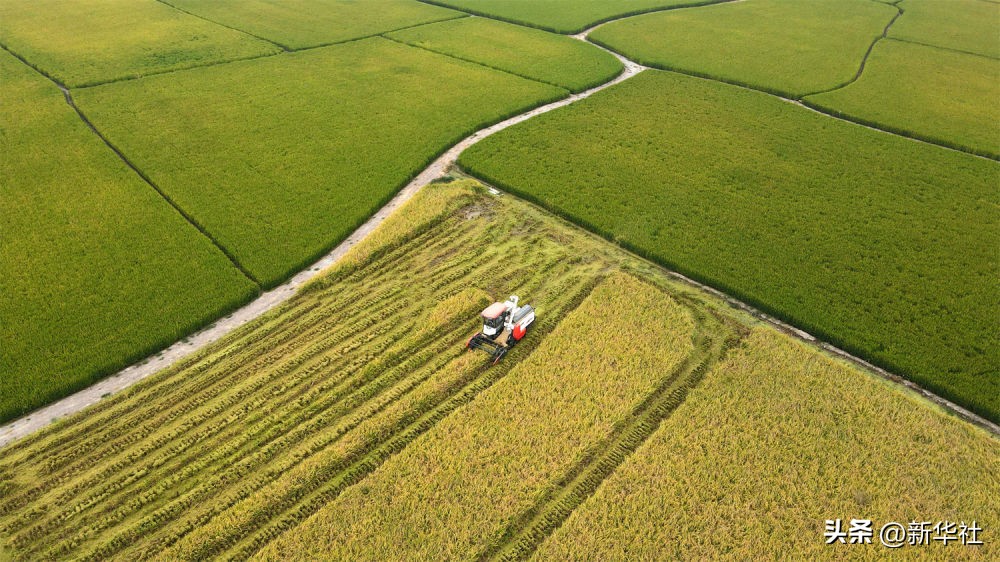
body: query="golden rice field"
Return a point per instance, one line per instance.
(351, 423)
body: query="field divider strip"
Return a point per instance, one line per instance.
(484, 65)
(864, 59)
(220, 24)
(942, 47)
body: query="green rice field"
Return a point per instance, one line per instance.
(892, 256)
(925, 92)
(531, 53)
(298, 24)
(248, 148)
(785, 46)
(82, 42)
(96, 269)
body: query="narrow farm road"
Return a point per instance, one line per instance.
(273, 298)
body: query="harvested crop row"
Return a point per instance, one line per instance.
(484, 465)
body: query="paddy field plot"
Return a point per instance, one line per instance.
(776, 440)
(306, 23)
(964, 25)
(884, 246)
(531, 53)
(281, 158)
(352, 420)
(81, 42)
(925, 92)
(784, 46)
(563, 16)
(96, 269)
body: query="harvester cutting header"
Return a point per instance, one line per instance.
(504, 324)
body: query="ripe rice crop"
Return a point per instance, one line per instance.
(784, 46)
(96, 269)
(320, 407)
(881, 245)
(531, 53)
(231, 448)
(281, 158)
(457, 489)
(964, 25)
(306, 23)
(925, 92)
(81, 42)
(563, 16)
(775, 440)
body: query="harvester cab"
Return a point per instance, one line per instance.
(504, 324)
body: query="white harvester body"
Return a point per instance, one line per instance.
(504, 324)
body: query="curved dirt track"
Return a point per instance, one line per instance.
(271, 299)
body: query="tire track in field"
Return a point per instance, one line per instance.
(713, 338)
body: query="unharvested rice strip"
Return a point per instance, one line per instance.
(711, 340)
(108, 519)
(331, 485)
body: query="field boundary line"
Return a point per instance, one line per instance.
(484, 65)
(184, 214)
(187, 216)
(864, 59)
(229, 27)
(480, 13)
(270, 299)
(942, 47)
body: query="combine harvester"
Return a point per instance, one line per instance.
(504, 324)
